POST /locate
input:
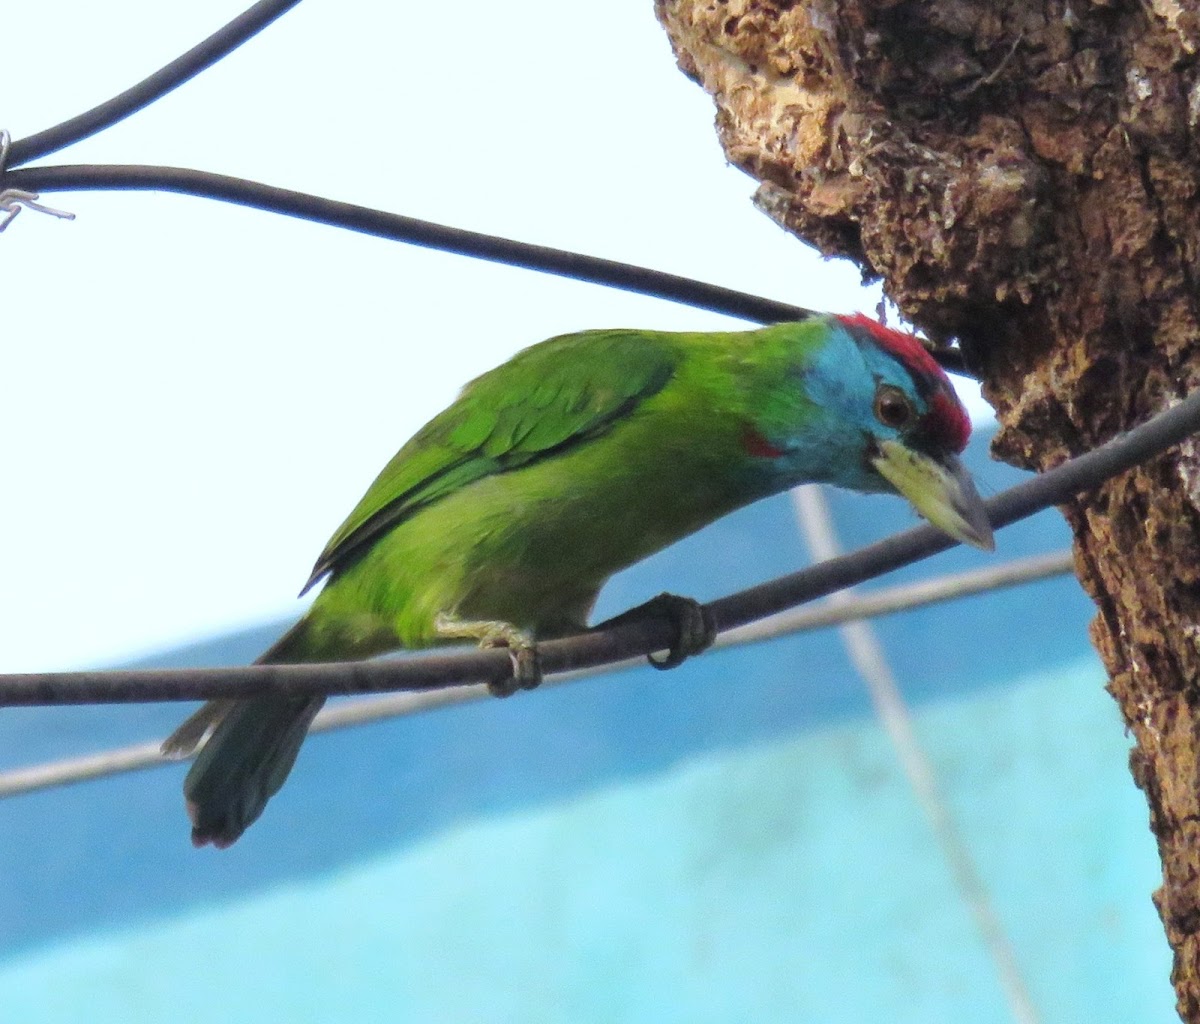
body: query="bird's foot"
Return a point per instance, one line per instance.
(695, 628)
(522, 651)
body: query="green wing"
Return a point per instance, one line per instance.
(538, 404)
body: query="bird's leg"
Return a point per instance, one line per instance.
(695, 628)
(526, 670)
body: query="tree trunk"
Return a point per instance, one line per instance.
(1025, 176)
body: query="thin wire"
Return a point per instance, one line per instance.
(408, 229)
(907, 597)
(220, 44)
(613, 643)
(867, 655)
(373, 709)
(199, 183)
(13, 200)
(259, 196)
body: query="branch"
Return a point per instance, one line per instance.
(604, 646)
(221, 43)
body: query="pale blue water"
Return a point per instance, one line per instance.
(733, 841)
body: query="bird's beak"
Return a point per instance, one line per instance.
(941, 490)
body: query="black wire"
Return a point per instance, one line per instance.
(406, 229)
(616, 643)
(198, 58)
(403, 229)
(644, 281)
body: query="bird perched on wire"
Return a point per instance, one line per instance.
(503, 517)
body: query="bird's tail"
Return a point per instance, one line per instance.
(251, 749)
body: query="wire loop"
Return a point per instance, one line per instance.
(13, 199)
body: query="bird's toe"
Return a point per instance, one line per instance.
(695, 628)
(526, 671)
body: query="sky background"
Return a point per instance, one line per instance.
(195, 395)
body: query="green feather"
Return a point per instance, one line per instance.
(537, 404)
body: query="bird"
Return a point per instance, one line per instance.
(501, 519)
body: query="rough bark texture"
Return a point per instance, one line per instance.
(1024, 175)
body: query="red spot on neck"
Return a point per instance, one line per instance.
(754, 444)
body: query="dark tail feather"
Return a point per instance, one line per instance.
(243, 764)
(247, 758)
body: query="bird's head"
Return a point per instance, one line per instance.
(898, 422)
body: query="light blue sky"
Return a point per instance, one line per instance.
(194, 395)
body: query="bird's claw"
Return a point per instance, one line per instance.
(526, 669)
(522, 651)
(695, 628)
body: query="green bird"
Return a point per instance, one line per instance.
(504, 515)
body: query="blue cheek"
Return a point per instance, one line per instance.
(837, 420)
(823, 456)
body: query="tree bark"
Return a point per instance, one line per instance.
(1025, 176)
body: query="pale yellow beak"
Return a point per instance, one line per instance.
(942, 491)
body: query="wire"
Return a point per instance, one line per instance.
(435, 236)
(13, 200)
(394, 226)
(365, 710)
(604, 646)
(867, 655)
(220, 44)
(904, 598)
(406, 229)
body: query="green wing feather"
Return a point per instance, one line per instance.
(538, 404)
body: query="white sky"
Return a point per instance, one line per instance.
(194, 395)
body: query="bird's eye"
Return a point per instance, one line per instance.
(892, 407)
